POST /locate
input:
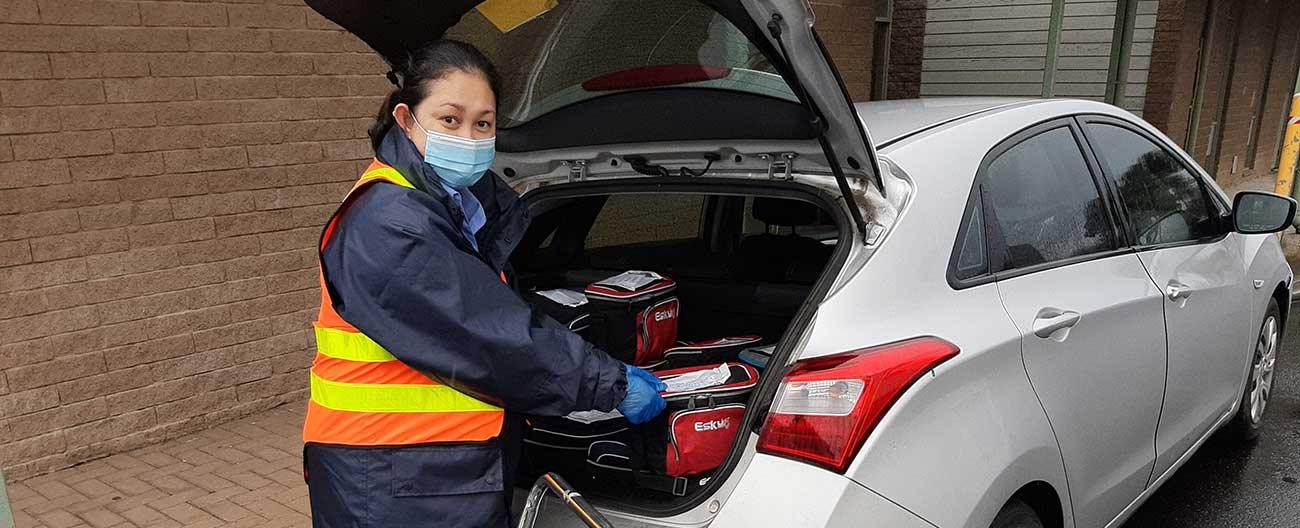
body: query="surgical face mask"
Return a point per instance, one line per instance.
(459, 162)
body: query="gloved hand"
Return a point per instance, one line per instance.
(643, 401)
(652, 379)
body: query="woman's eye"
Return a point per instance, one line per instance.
(484, 125)
(450, 120)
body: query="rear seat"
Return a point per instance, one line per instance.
(773, 258)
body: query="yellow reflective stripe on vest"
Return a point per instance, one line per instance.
(350, 346)
(387, 173)
(359, 397)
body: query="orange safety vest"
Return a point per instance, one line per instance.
(363, 396)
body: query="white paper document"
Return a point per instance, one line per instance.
(569, 298)
(699, 379)
(631, 280)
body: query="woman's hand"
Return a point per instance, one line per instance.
(643, 401)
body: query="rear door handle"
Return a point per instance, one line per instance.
(1049, 320)
(1177, 291)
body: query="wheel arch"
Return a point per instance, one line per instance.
(1282, 294)
(1045, 501)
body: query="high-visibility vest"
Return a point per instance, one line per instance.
(363, 396)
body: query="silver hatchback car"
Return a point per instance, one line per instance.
(997, 313)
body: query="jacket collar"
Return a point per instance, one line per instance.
(507, 217)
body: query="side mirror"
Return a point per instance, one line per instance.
(1255, 212)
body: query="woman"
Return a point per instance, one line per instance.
(424, 353)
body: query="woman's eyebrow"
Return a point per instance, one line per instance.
(454, 105)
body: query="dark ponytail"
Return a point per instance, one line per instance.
(428, 63)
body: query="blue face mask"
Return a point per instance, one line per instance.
(459, 162)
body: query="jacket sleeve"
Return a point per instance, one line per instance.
(446, 313)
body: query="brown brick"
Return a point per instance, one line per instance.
(141, 39)
(28, 120)
(22, 353)
(286, 197)
(182, 14)
(236, 88)
(52, 92)
(308, 40)
(369, 85)
(89, 13)
(224, 336)
(61, 417)
(303, 237)
(272, 386)
(213, 204)
(247, 179)
(260, 222)
(32, 448)
(91, 65)
(105, 216)
(129, 356)
(312, 86)
(191, 64)
(267, 16)
(62, 145)
(241, 134)
(111, 382)
(21, 303)
(218, 250)
(192, 364)
(164, 280)
(6, 150)
(79, 244)
(159, 138)
(21, 11)
(106, 116)
(116, 166)
(284, 154)
(46, 324)
(329, 172)
(28, 401)
(29, 173)
(4, 389)
(348, 149)
(151, 211)
(275, 346)
(294, 321)
(171, 232)
(293, 281)
(38, 224)
(151, 395)
(274, 305)
(318, 130)
(270, 64)
(350, 64)
(195, 406)
(315, 215)
(24, 66)
(64, 368)
(64, 196)
(208, 112)
(45, 38)
(133, 261)
(344, 107)
(148, 89)
(112, 427)
(14, 253)
(40, 275)
(260, 265)
(230, 40)
(199, 160)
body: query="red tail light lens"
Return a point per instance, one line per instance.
(827, 406)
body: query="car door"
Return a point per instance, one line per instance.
(1184, 241)
(1090, 318)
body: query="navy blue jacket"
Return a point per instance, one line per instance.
(399, 269)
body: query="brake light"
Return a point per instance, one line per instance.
(653, 76)
(827, 406)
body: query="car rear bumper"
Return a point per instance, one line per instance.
(779, 492)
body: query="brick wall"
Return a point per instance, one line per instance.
(906, 49)
(846, 28)
(165, 168)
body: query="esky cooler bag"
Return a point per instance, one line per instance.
(690, 438)
(711, 351)
(637, 314)
(576, 318)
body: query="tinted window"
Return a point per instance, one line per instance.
(1165, 202)
(971, 261)
(1042, 203)
(628, 219)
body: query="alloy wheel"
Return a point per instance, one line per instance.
(1261, 374)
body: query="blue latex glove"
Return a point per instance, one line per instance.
(652, 379)
(643, 401)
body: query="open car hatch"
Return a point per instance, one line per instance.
(579, 73)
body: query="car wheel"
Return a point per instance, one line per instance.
(1259, 381)
(1017, 514)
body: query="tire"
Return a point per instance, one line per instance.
(1017, 514)
(1259, 380)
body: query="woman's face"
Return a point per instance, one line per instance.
(458, 104)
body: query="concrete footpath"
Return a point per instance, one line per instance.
(245, 473)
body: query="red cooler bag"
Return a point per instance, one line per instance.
(638, 315)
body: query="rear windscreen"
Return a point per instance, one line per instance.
(582, 49)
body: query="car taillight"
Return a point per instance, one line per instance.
(827, 406)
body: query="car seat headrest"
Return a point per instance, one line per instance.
(786, 212)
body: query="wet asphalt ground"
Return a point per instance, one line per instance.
(1227, 484)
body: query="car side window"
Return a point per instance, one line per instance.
(1041, 204)
(1165, 202)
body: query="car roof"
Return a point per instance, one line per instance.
(891, 120)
